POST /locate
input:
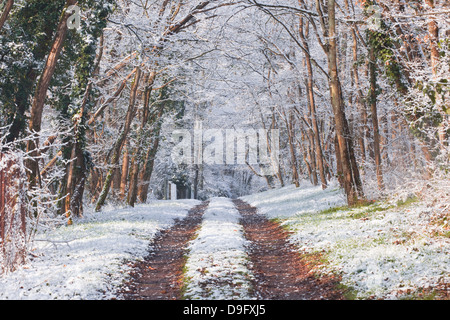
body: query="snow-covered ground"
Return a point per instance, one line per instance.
(381, 250)
(217, 266)
(290, 201)
(87, 260)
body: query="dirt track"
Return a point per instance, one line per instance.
(280, 272)
(159, 277)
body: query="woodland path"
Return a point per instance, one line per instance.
(280, 272)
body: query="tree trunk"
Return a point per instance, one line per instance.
(196, 181)
(373, 108)
(117, 149)
(304, 151)
(6, 11)
(78, 168)
(312, 157)
(147, 169)
(124, 173)
(339, 173)
(433, 31)
(142, 136)
(295, 177)
(41, 92)
(272, 127)
(76, 180)
(312, 109)
(338, 110)
(21, 100)
(115, 184)
(362, 128)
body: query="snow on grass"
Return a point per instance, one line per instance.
(289, 201)
(216, 268)
(88, 260)
(381, 250)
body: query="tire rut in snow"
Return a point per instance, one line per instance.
(280, 273)
(158, 277)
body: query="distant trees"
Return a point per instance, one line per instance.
(370, 48)
(351, 85)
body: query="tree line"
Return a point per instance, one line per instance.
(359, 90)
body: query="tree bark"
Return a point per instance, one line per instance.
(338, 110)
(433, 31)
(75, 183)
(305, 153)
(117, 149)
(124, 173)
(6, 11)
(339, 173)
(137, 158)
(78, 168)
(290, 126)
(312, 107)
(147, 170)
(362, 128)
(373, 108)
(312, 156)
(40, 95)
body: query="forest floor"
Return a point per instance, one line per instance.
(288, 243)
(278, 271)
(159, 276)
